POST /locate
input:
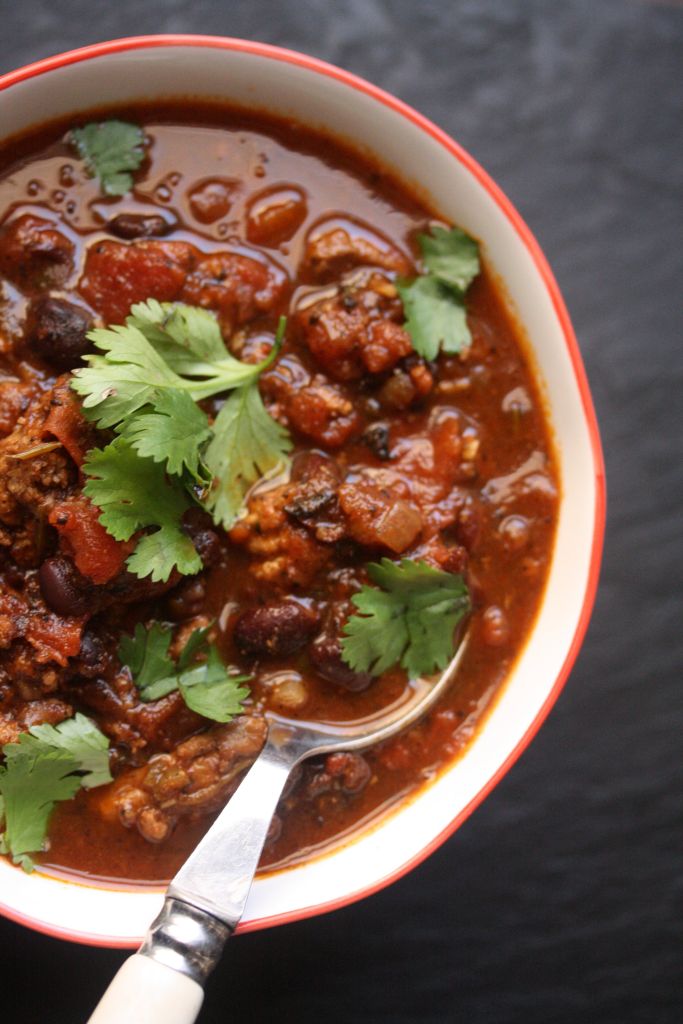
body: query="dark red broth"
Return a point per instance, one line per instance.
(463, 441)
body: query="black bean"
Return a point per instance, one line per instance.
(199, 526)
(352, 770)
(325, 655)
(278, 628)
(138, 225)
(64, 589)
(56, 331)
(376, 437)
(94, 656)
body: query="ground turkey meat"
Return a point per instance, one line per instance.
(355, 330)
(197, 777)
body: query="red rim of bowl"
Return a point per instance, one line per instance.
(346, 77)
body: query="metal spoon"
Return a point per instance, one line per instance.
(163, 982)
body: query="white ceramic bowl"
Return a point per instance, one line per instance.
(321, 95)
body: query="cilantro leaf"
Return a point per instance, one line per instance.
(147, 355)
(188, 338)
(209, 691)
(81, 739)
(31, 784)
(206, 686)
(39, 770)
(247, 443)
(435, 317)
(434, 304)
(146, 655)
(409, 621)
(197, 643)
(170, 432)
(451, 255)
(125, 379)
(132, 494)
(110, 149)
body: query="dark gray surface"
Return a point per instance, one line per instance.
(560, 900)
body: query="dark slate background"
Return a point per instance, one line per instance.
(560, 900)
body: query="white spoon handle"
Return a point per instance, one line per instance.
(147, 992)
(162, 983)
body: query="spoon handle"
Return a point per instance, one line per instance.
(217, 876)
(147, 992)
(163, 982)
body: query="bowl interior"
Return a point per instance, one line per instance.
(290, 85)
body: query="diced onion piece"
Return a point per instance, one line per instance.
(398, 527)
(291, 693)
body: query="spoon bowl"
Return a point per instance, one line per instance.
(326, 737)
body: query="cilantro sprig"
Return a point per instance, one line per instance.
(48, 764)
(110, 151)
(409, 619)
(206, 686)
(434, 303)
(144, 383)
